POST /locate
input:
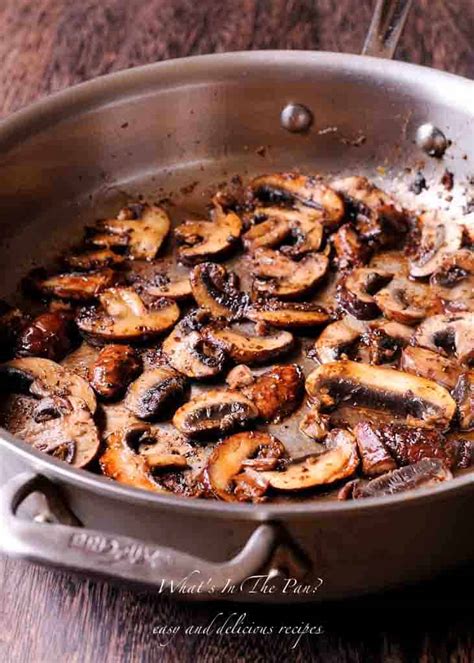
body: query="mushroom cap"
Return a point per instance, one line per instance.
(123, 316)
(277, 392)
(112, 370)
(338, 462)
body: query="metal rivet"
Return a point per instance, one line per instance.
(431, 140)
(296, 118)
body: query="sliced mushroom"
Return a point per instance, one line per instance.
(63, 419)
(287, 315)
(270, 233)
(406, 302)
(50, 335)
(124, 460)
(408, 444)
(424, 474)
(439, 236)
(338, 462)
(124, 316)
(228, 458)
(422, 401)
(375, 457)
(248, 349)
(430, 365)
(378, 347)
(157, 391)
(377, 218)
(113, 369)
(351, 251)
(240, 376)
(141, 228)
(291, 188)
(178, 289)
(356, 292)
(335, 342)
(447, 334)
(216, 290)
(77, 286)
(277, 392)
(208, 240)
(86, 261)
(214, 411)
(278, 276)
(453, 281)
(190, 352)
(464, 397)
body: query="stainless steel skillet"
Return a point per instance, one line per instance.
(203, 119)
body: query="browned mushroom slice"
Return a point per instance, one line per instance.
(208, 240)
(335, 342)
(140, 227)
(86, 261)
(62, 419)
(408, 444)
(375, 213)
(439, 237)
(428, 403)
(271, 232)
(50, 335)
(447, 334)
(279, 276)
(407, 302)
(228, 458)
(338, 462)
(430, 365)
(179, 289)
(156, 391)
(454, 280)
(216, 290)
(426, 473)
(189, 352)
(375, 457)
(123, 316)
(291, 188)
(239, 376)
(123, 462)
(290, 315)
(277, 392)
(382, 340)
(113, 369)
(356, 292)
(350, 249)
(249, 349)
(464, 397)
(214, 411)
(77, 286)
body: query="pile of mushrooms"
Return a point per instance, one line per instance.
(175, 359)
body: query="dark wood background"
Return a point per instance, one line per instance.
(46, 615)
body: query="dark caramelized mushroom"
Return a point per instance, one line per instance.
(464, 396)
(249, 349)
(189, 351)
(214, 411)
(123, 316)
(356, 292)
(114, 368)
(87, 261)
(350, 249)
(375, 457)
(271, 232)
(277, 392)
(155, 392)
(278, 276)
(50, 335)
(208, 240)
(448, 334)
(216, 291)
(77, 286)
(406, 302)
(141, 228)
(430, 365)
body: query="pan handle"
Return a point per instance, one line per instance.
(386, 27)
(107, 555)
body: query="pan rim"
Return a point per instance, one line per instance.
(101, 91)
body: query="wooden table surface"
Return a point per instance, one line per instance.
(46, 615)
